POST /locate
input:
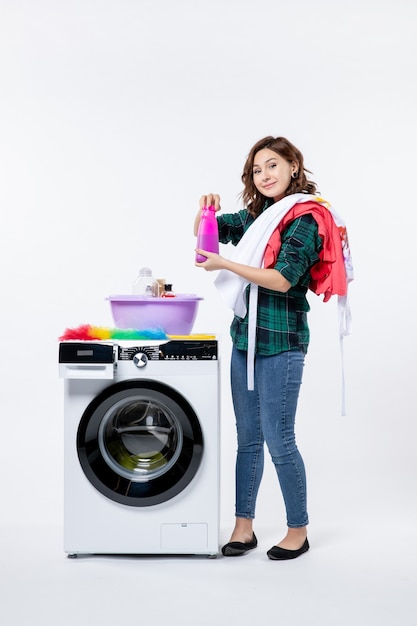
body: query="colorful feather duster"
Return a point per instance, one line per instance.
(87, 332)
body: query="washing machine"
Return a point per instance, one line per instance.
(141, 447)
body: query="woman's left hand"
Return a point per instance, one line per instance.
(214, 261)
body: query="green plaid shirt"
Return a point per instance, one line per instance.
(282, 317)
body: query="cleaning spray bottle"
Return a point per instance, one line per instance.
(208, 233)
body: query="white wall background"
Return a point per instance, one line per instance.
(115, 117)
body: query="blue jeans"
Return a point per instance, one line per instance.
(267, 414)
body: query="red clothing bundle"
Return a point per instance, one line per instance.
(328, 276)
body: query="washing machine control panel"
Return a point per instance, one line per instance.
(191, 350)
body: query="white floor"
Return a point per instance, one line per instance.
(347, 578)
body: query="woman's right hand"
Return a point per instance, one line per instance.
(211, 199)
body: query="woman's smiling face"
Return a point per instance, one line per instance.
(272, 173)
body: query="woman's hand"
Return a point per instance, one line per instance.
(211, 199)
(214, 261)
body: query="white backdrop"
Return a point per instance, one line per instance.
(115, 117)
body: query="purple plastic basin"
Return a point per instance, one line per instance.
(175, 316)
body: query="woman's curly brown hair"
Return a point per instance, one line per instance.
(255, 201)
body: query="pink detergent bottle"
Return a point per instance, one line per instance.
(208, 233)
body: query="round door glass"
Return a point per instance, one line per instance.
(140, 439)
(139, 442)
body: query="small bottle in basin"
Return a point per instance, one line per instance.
(167, 292)
(208, 233)
(145, 284)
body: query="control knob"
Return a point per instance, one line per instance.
(140, 359)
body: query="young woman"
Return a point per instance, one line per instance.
(278, 242)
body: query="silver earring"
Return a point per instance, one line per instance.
(294, 175)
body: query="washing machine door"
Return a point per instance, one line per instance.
(139, 442)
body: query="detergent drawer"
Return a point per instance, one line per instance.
(85, 360)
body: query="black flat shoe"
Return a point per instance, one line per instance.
(282, 554)
(237, 548)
